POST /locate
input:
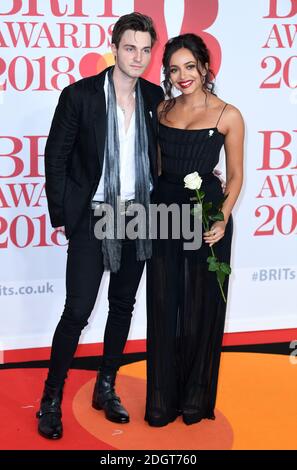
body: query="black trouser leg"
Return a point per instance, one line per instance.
(83, 276)
(121, 295)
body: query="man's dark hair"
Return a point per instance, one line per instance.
(135, 21)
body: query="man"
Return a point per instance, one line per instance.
(101, 146)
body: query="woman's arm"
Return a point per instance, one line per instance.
(234, 142)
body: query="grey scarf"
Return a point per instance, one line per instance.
(111, 245)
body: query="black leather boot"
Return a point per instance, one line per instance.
(104, 398)
(50, 414)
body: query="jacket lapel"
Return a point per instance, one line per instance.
(148, 110)
(99, 115)
(150, 126)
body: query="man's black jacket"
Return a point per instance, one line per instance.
(74, 150)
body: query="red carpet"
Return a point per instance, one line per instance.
(256, 409)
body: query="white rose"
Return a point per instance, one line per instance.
(193, 181)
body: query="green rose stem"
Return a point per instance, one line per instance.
(206, 228)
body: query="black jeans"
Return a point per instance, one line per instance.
(83, 276)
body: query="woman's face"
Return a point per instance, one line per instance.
(184, 74)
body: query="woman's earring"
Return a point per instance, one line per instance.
(203, 78)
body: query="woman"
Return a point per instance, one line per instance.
(186, 310)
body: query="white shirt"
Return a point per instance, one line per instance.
(127, 155)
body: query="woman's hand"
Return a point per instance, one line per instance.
(215, 234)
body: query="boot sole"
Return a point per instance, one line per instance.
(119, 421)
(52, 438)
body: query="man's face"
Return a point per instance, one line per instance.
(134, 53)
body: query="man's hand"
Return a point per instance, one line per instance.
(218, 174)
(61, 229)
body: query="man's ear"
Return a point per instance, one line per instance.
(114, 50)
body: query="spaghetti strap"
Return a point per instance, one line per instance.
(221, 114)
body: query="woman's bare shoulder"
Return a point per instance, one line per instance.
(232, 120)
(232, 114)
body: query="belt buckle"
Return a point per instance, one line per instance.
(125, 204)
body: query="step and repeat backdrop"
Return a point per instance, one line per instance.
(47, 44)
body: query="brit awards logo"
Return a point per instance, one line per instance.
(49, 46)
(46, 46)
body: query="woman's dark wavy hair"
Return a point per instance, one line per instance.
(197, 46)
